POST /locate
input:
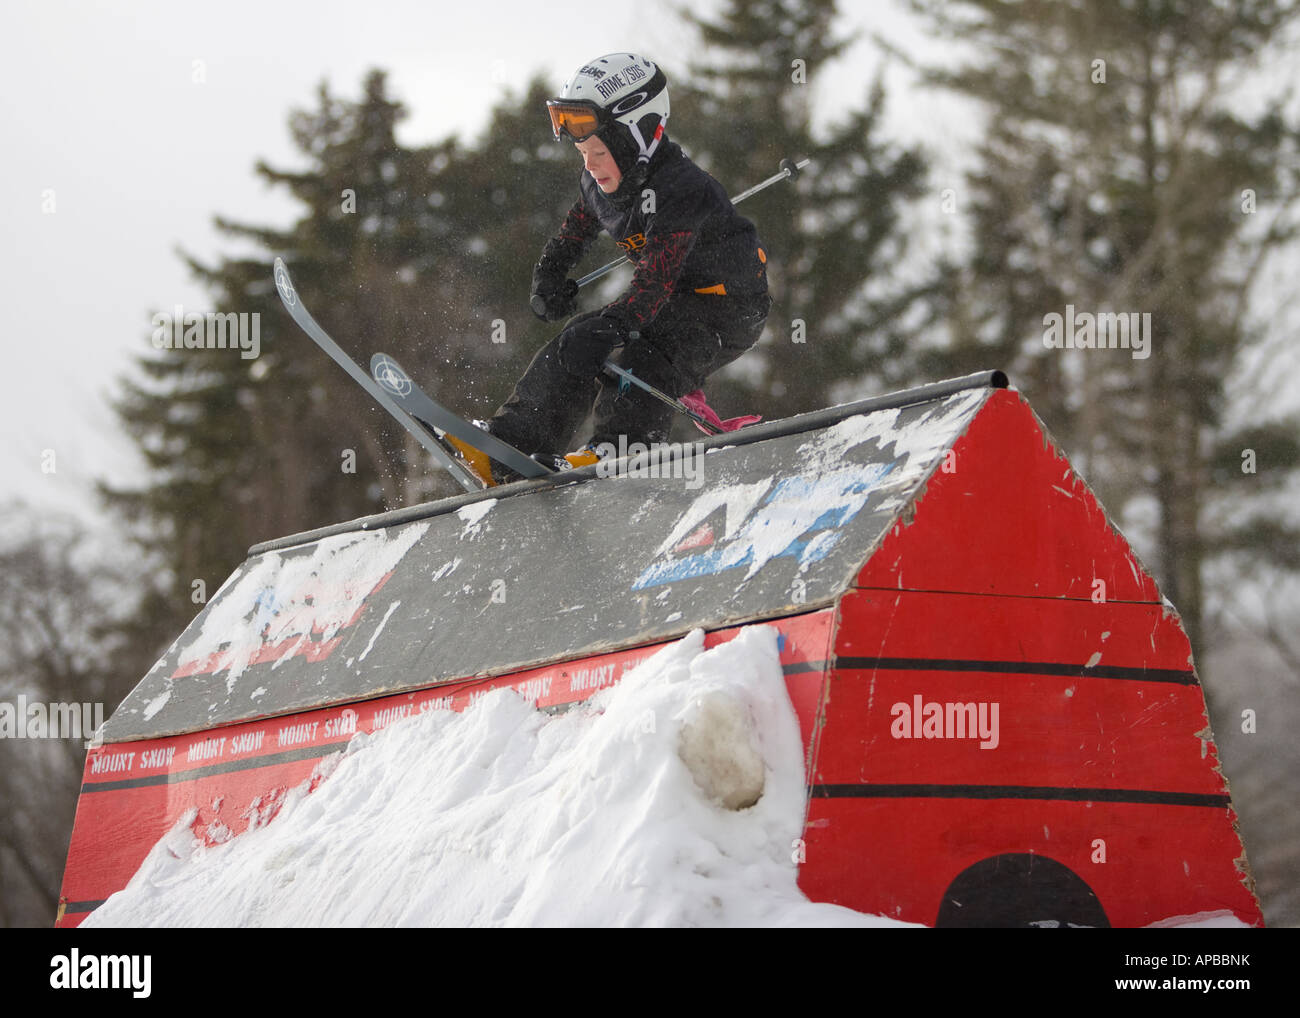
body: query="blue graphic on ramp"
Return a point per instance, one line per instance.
(811, 510)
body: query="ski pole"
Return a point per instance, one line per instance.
(788, 169)
(620, 372)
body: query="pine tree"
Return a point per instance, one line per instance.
(1111, 179)
(424, 253)
(512, 187)
(843, 322)
(243, 448)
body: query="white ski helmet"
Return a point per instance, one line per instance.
(621, 97)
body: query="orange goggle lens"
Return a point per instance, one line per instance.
(578, 122)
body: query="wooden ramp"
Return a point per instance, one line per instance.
(1002, 721)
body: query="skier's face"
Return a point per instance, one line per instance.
(599, 162)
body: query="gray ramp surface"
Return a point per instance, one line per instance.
(547, 571)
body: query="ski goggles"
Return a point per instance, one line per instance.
(578, 120)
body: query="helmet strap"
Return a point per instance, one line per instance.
(633, 164)
(646, 152)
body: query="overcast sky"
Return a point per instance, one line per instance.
(115, 156)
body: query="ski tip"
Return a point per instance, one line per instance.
(284, 284)
(390, 375)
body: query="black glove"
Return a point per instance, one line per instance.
(554, 296)
(585, 346)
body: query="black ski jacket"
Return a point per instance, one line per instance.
(680, 230)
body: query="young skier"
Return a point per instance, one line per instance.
(698, 297)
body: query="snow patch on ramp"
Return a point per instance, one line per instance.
(507, 816)
(289, 604)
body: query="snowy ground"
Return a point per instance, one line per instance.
(672, 799)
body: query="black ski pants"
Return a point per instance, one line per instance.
(692, 336)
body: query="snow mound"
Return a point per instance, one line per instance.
(674, 798)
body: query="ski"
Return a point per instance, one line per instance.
(397, 382)
(445, 458)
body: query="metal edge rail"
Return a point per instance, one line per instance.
(812, 421)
